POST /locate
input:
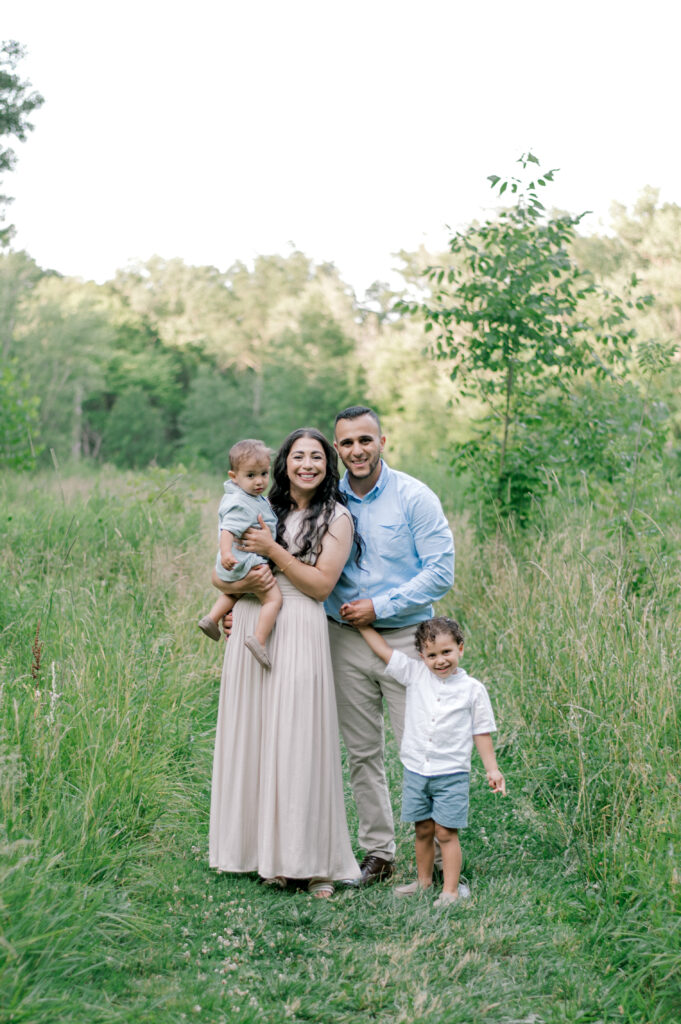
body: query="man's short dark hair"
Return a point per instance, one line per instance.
(427, 631)
(353, 412)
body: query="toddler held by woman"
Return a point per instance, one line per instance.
(242, 503)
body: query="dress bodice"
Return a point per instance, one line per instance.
(292, 529)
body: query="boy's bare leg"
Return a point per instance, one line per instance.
(271, 603)
(425, 851)
(451, 857)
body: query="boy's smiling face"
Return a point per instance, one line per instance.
(442, 655)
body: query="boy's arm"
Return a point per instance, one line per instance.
(376, 643)
(226, 557)
(483, 742)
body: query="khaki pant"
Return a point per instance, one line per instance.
(362, 684)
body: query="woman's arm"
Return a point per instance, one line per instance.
(317, 580)
(258, 581)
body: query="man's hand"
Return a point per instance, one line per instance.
(358, 613)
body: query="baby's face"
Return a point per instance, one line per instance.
(442, 655)
(252, 476)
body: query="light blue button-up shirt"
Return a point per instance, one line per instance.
(408, 557)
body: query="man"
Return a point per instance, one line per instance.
(407, 562)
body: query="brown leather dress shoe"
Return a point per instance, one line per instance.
(375, 869)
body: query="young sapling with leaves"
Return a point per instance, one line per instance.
(447, 711)
(242, 503)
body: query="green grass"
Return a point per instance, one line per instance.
(108, 911)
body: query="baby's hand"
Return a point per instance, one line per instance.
(228, 561)
(497, 781)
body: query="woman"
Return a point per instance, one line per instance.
(277, 799)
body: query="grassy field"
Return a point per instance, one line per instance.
(108, 699)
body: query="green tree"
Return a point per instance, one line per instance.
(17, 103)
(516, 318)
(64, 339)
(18, 420)
(19, 274)
(646, 241)
(217, 412)
(310, 371)
(135, 431)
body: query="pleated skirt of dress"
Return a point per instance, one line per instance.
(277, 803)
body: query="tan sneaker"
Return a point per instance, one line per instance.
(446, 898)
(410, 889)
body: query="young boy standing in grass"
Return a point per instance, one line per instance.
(446, 712)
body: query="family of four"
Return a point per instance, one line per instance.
(348, 571)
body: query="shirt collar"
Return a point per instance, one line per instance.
(378, 487)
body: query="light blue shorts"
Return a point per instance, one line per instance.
(444, 798)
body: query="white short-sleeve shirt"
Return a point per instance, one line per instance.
(441, 717)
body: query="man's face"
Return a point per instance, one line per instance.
(359, 445)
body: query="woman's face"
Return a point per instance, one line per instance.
(305, 467)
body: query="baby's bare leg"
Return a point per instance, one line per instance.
(209, 624)
(271, 603)
(222, 607)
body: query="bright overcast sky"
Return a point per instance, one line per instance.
(216, 130)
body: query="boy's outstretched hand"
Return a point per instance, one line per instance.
(497, 782)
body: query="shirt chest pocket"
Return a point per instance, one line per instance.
(394, 541)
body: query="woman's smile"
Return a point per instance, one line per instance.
(306, 467)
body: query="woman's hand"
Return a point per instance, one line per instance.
(259, 541)
(258, 581)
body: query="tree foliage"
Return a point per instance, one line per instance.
(517, 319)
(18, 419)
(169, 361)
(17, 103)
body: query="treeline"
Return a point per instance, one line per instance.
(169, 362)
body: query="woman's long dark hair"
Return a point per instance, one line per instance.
(321, 510)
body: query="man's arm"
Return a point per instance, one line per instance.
(434, 546)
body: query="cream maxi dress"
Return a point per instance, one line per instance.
(277, 798)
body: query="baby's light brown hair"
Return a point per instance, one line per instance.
(250, 448)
